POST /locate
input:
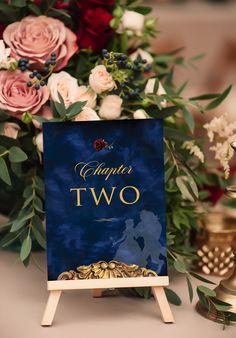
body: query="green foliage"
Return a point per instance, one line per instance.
(185, 178)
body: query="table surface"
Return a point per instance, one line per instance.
(23, 296)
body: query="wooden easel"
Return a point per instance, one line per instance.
(97, 285)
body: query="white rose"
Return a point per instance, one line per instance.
(11, 130)
(140, 114)
(111, 107)
(100, 80)
(132, 21)
(39, 142)
(87, 114)
(143, 54)
(150, 87)
(86, 94)
(66, 85)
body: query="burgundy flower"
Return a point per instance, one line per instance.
(2, 27)
(99, 144)
(94, 31)
(59, 4)
(103, 3)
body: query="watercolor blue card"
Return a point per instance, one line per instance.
(105, 200)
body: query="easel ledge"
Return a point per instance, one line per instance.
(97, 285)
(108, 283)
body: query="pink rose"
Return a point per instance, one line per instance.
(87, 114)
(87, 94)
(111, 107)
(35, 38)
(16, 97)
(44, 112)
(67, 86)
(11, 130)
(100, 80)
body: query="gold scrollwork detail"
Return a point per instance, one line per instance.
(102, 269)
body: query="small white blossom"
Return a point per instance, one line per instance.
(223, 133)
(6, 62)
(194, 150)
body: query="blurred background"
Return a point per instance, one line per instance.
(201, 26)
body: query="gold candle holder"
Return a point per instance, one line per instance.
(226, 290)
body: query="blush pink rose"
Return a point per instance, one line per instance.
(16, 98)
(35, 38)
(87, 114)
(100, 80)
(111, 107)
(11, 130)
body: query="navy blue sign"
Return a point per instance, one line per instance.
(105, 194)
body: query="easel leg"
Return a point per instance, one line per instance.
(51, 307)
(160, 297)
(97, 293)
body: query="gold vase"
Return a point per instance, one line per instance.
(216, 244)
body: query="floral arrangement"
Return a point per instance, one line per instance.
(87, 60)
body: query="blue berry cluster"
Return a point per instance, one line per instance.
(128, 88)
(122, 62)
(23, 64)
(50, 62)
(37, 80)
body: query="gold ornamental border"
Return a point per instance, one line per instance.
(102, 270)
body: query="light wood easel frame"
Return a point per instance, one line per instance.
(97, 285)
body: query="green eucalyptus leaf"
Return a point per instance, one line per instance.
(219, 99)
(38, 204)
(18, 3)
(9, 238)
(203, 299)
(190, 289)
(4, 173)
(39, 238)
(199, 277)
(27, 201)
(26, 248)
(156, 86)
(39, 183)
(206, 291)
(188, 117)
(179, 266)
(34, 9)
(28, 192)
(204, 97)
(168, 173)
(17, 155)
(175, 134)
(75, 109)
(26, 216)
(181, 182)
(172, 297)
(142, 10)
(17, 224)
(154, 112)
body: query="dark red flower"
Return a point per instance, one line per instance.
(94, 30)
(89, 3)
(2, 27)
(61, 4)
(99, 144)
